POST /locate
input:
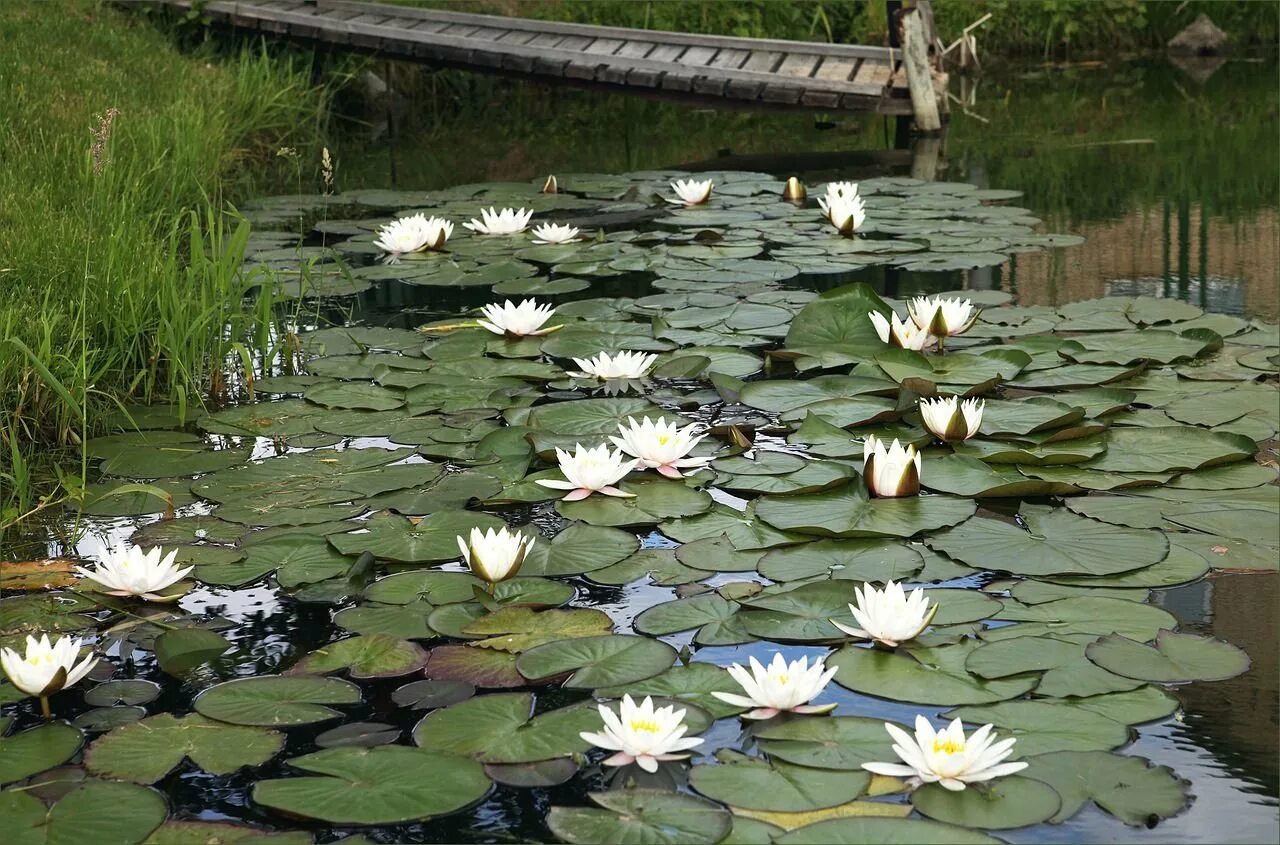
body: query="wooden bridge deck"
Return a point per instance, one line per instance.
(746, 70)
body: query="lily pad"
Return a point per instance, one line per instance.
(431, 540)
(836, 742)
(32, 751)
(756, 784)
(500, 728)
(881, 831)
(922, 675)
(148, 750)
(364, 656)
(1008, 802)
(122, 813)
(383, 785)
(274, 701)
(641, 817)
(1129, 788)
(1175, 658)
(1041, 727)
(597, 661)
(849, 512)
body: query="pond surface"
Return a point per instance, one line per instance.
(1114, 488)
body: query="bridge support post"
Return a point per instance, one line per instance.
(915, 60)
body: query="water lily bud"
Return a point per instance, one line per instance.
(951, 420)
(495, 555)
(794, 190)
(551, 186)
(892, 472)
(691, 191)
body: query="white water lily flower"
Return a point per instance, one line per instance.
(691, 191)
(521, 320)
(780, 688)
(413, 234)
(495, 556)
(942, 317)
(620, 365)
(132, 572)
(660, 445)
(841, 189)
(947, 757)
(950, 419)
(889, 616)
(794, 190)
(641, 734)
(847, 213)
(554, 233)
(890, 472)
(590, 471)
(46, 668)
(899, 333)
(509, 221)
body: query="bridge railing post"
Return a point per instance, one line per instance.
(915, 60)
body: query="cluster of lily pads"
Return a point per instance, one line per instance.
(722, 442)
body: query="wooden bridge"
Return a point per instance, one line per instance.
(769, 72)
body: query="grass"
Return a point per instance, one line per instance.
(117, 258)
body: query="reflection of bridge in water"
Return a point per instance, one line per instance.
(1222, 265)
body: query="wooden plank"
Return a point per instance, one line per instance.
(635, 49)
(604, 46)
(576, 43)
(665, 53)
(762, 61)
(546, 40)
(550, 60)
(595, 31)
(820, 99)
(836, 68)
(459, 30)
(515, 36)
(799, 65)
(697, 56)
(711, 85)
(873, 73)
(730, 58)
(581, 69)
(781, 93)
(427, 26)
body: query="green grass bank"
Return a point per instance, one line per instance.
(117, 262)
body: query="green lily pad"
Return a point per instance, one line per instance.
(1169, 448)
(1129, 788)
(122, 813)
(684, 614)
(652, 501)
(578, 549)
(481, 667)
(148, 750)
(922, 675)
(275, 701)
(849, 512)
(1061, 659)
(882, 831)
(1041, 727)
(1131, 347)
(1175, 658)
(755, 784)
(1007, 802)
(132, 691)
(407, 622)
(854, 560)
(1054, 542)
(835, 742)
(500, 728)
(37, 749)
(597, 661)
(1084, 615)
(382, 785)
(431, 540)
(364, 656)
(517, 629)
(642, 817)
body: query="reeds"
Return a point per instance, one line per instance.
(119, 256)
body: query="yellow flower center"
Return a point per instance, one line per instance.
(947, 746)
(662, 438)
(782, 679)
(647, 725)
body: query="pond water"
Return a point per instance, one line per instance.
(1114, 487)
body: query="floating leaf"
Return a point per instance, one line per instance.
(1129, 788)
(365, 656)
(597, 661)
(32, 751)
(880, 831)
(274, 700)
(382, 785)
(759, 785)
(500, 728)
(148, 750)
(1042, 727)
(1006, 803)
(641, 817)
(924, 675)
(122, 813)
(517, 629)
(180, 650)
(849, 512)
(1175, 658)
